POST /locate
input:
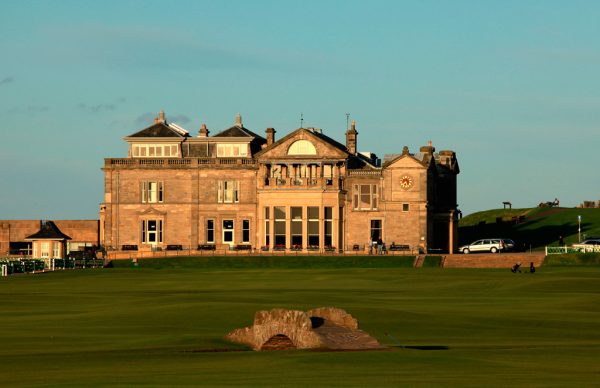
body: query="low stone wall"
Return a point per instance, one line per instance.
(493, 260)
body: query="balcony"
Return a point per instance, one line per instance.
(300, 183)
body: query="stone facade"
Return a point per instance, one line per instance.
(303, 192)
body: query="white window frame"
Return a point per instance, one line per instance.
(232, 150)
(153, 192)
(155, 150)
(246, 231)
(145, 235)
(371, 190)
(55, 249)
(210, 228)
(45, 249)
(228, 191)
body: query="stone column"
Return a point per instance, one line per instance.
(271, 230)
(451, 233)
(304, 227)
(288, 227)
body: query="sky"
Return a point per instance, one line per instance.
(512, 87)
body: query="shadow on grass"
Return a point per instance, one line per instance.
(422, 347)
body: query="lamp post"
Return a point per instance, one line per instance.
(579, 227)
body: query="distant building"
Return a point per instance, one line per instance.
(47, 239)
(304, 192)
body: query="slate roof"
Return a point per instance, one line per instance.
(48, 231)
(160, 129)
(237, 131)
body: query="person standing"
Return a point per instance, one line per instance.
(379, 245)
(561, 243)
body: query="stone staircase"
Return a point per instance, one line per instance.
(418, 263)
(493, 260)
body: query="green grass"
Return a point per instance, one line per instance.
(541, 226)
(153, 326)
(275, 261)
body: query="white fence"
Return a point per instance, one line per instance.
(565, 249)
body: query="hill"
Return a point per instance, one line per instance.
(532, 227)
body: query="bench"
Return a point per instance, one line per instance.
(399, 247)
(242, 247)
(207, 247)
(129, 247)
(174, 247)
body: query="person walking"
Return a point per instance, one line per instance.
(379, 245)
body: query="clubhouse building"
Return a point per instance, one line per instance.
(304, 192)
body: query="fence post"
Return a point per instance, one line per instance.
(546, 250)
(4, 270)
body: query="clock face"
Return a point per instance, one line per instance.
(406, 182)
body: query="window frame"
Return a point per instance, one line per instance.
(147, 191)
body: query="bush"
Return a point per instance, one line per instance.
(573, 259)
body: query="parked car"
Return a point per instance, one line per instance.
(589, 245)
(509, 245)
(492, 245)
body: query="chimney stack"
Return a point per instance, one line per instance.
(428, 149)
(161, 117)
(203, 131)
(351, 139)
(270, 136)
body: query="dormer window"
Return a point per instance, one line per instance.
(232, 150)
(154, 150)
(302, 147)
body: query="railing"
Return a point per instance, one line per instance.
(152, 162)
(565, 249)
(560, 250)
(179, 161)
(363, 173)
(303, 182)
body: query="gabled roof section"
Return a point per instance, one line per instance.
(161, 128)
(238, 130)
(48, 231)
(406, 154)
(311, 132)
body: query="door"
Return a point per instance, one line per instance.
(228, 234)
(152, 232)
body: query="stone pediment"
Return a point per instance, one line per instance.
(151, 212)
(304, 144)
(405, 161)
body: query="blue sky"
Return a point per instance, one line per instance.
(512, 86)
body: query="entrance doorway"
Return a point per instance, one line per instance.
(228, 233)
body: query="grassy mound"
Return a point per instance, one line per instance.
(535, 228)
(573, 259)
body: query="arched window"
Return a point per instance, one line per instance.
(302, 147)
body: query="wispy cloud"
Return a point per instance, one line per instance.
(7, 80)
(97, 107)
(147, 118)
(135, 47)
(29, 109)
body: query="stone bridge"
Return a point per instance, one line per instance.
(322, 328)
